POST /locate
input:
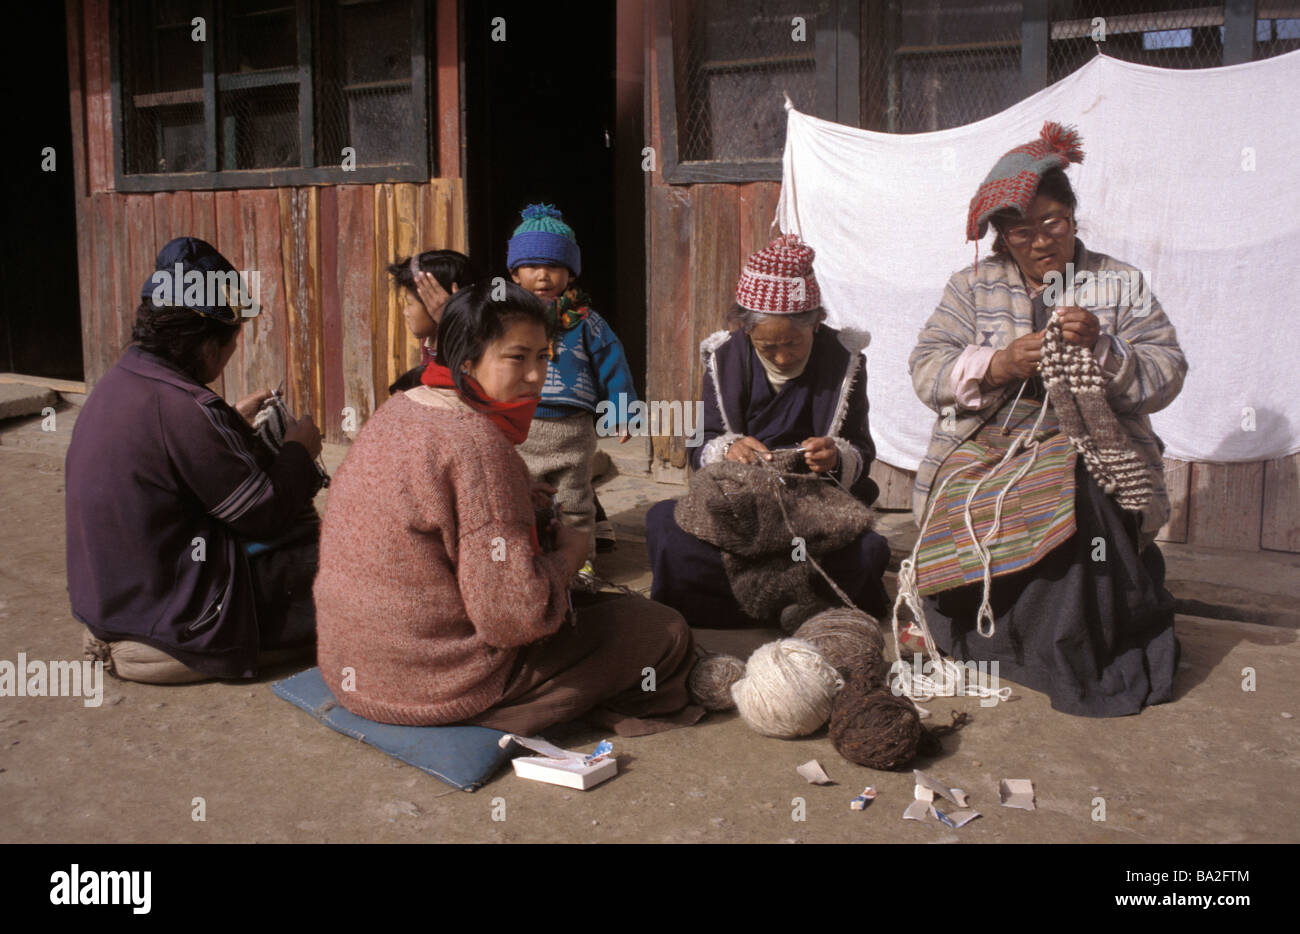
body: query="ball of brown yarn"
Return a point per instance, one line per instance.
(711, 679)
(848, 639)
(872, 726)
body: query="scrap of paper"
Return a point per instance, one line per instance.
(917, 810)
(861, 801)
(956, 818)
(813, 771)
(955, 795)
(1016, 793)
(551, 751)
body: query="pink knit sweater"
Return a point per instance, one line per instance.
(428, 582)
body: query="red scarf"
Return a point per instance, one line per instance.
(513, 418)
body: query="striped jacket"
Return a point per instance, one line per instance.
(164, 483)
(991, 307)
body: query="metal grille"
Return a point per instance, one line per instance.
(740, 56)
(162, 96)
(258, 128)
(1277, 29)
(361, 80)
(363, 84)
(945, 63)
(1149, 32)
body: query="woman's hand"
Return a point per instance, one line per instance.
(573, 544)
(432, 294)
(541, 494)
(247, 407)
(1079, 327)
(305, 432)
(1019, 360)
(820, 454)
(746, 450)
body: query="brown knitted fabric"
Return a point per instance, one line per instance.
(1077, 391)
(735, 508)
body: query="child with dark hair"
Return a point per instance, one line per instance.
(167, 488)
(588, 366)
(435, 598)
(427, 280)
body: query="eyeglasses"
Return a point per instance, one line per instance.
(1055, 227)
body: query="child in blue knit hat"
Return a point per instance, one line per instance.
(588, 365)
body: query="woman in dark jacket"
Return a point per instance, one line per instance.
(168, 488)
(782, 379)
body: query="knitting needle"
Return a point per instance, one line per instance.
(1006, 421)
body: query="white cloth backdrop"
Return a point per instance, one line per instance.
(1191, 176)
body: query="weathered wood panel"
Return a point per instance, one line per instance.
(265, 336)
(174, 216)
(331, 315)
(1281, 530)
(406, 242)
(447, 89)
(355, 278)
(895, 485)
(230, 243)
(126, 287)
(1225, 508)
(1178, 478)
(300, 255)
(99, 318)
(203, 224)
(81, 185)
(98, 103)
(670, 310)
(381, 292)
(714, 269)
(758, 202)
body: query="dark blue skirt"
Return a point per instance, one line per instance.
(1097, 636)
(690, 578)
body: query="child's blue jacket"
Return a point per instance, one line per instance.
(589, 366)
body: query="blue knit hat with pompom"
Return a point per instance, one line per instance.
(544, 239)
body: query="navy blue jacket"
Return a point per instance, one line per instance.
(828, 399)
(156, 461)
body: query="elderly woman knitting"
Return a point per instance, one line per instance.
(1043, 364)
(781, 391)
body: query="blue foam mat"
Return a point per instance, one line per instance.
(462, 756)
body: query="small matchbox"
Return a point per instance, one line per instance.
(567, 772)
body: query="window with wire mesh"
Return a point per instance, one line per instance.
(735, 61)
(355, 75)
(1166, 35)
(1149, 32)
(1277, 28)
(161, 69)
(934, 64)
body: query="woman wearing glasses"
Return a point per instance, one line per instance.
(1043, 363)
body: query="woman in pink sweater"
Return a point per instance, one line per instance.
(434, 602)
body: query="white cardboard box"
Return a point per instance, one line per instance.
(567, 772)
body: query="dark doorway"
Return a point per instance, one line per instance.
(540, 127)
(40, 317)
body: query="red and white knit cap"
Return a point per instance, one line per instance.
(779, 280)
(1013, 181)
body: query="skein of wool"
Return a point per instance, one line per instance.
(847, 638)
(788, 689)
(873, 726)
(711, 679)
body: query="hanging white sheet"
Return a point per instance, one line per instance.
(1193, 176)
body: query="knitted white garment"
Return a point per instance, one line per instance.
(1077, 390)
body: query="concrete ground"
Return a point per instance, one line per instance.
(1220, 764)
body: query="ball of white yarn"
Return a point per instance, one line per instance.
(787, 690)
